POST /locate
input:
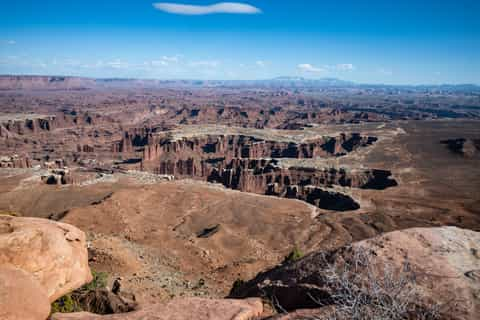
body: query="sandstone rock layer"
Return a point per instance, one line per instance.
(21, 296)
(54, 254)
(445, 262)
(183, 309)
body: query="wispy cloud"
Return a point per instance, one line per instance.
(156, 63)
(118, 64)
(385, 72)
(345, 67)
(207, 64)
(172, 59)
(163, 61)
(221, 7)
(8, 42)
(307, 67)
(261, 63)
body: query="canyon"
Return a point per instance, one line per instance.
(187, 193)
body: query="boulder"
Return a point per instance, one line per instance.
(182, 309)
(53, 253)
(21, 296)
(442, 264)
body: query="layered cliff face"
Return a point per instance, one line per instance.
(27, 124)
(68, 135)
(263, 176)
(135, 138)
(44, 83)
(240, 146)
(266, 117)
(251, 164)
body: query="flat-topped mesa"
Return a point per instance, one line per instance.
(44, 83)
(261, 117)
(241, 146)
(26, 124)
(248, 163)
(265, 176)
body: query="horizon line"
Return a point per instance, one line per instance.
(355, 83)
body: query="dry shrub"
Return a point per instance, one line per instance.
(362, 288)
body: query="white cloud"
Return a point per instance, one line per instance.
(208, 64)
(117, 64)
(167, 59)
(157, 63)
(307, 67)
(261, 63)
(71, 63)
(385, 72)
(221, 7)
(164, 61)
(345, 67)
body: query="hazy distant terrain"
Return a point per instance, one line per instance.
(188, 188)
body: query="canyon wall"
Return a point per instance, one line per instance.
(240, 146)
(44, 83)
(252, 164)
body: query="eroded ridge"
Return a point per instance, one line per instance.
(253, 164)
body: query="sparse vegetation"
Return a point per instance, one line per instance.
(65, 304)
(361, 289)
(237, 284)
(99, 281)
(9, 213)
(71, 301)
(293, 256)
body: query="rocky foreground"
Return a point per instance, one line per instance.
(421, 273)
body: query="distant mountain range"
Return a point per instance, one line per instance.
(15, 82)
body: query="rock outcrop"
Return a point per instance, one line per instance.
(462, 146)
(58, 177)
(444, 262)
(240, 146)
(44, 83)
(30, 124)
(183, 309)
(249, 164)
(53, 253)
(265, 176)
(14, 161)
(21, 296)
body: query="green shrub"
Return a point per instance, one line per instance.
(65, 304)
(70, 302)
(9, 213)
(293, 256)
(99, 281)
(237, 284)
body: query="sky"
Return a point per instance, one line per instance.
(376, 41)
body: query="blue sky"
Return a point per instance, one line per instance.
(378, 41)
